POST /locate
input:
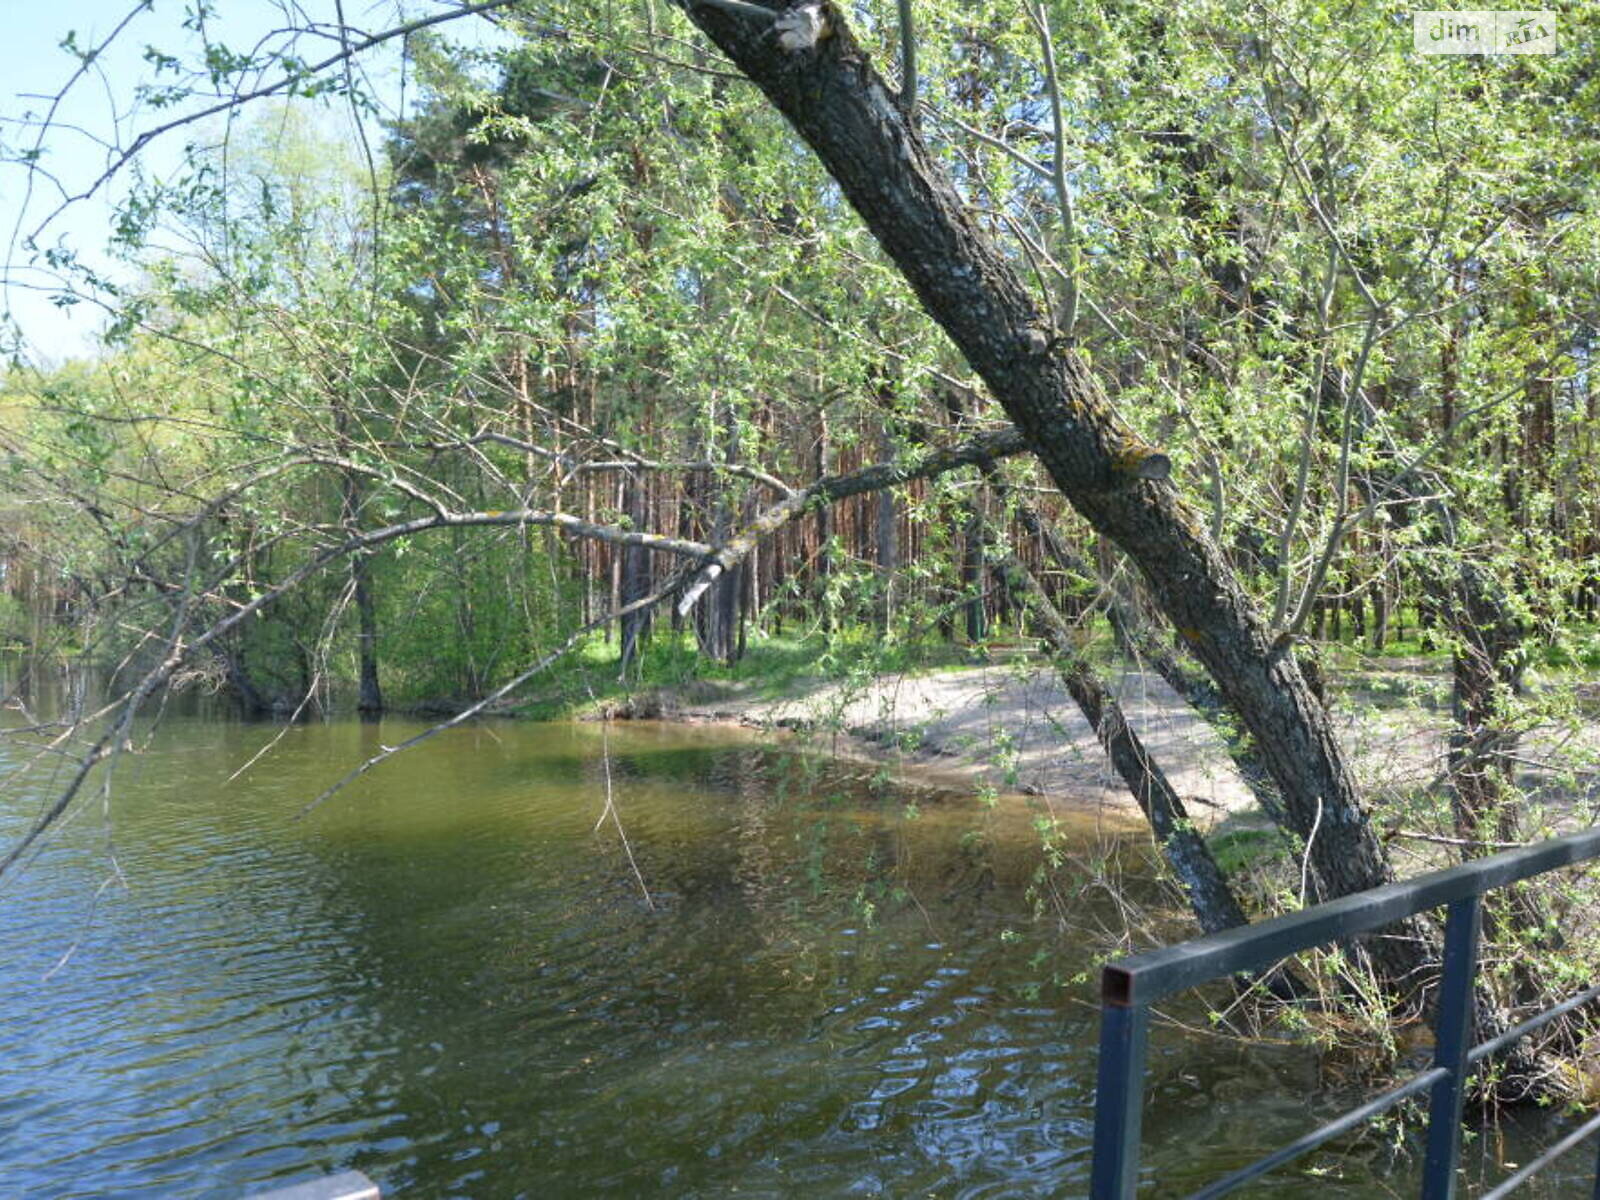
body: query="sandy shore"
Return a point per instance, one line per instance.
(1008, 728)
(1013, 728)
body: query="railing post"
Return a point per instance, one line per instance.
(1452, 1041)
(1119, 1100)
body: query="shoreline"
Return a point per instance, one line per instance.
(1011, 730)
(994, 729)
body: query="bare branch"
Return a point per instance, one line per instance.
(908, 61)
(1067, 317)
(347, 51)
(983, 448)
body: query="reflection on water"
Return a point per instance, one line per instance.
(450, 978)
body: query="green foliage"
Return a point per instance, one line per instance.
(460, 616)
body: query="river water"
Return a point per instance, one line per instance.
(806, 982)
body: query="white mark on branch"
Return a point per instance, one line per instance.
(801, 28)
(1305, 859)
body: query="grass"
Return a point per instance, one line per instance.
(1574, 647)
(1238, 849)
(776, 666)
(1577, 648)
(772, 666)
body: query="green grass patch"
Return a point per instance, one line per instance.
(770, 668)
(1237, 849)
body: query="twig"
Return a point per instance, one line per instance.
(908, 62)
(1067, 318)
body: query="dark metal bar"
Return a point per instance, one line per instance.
(1597, 1173)
(1518, 1032)
(1344, 1124)
(1149, 977)
(1575, 1138)
(1130, 986)
(1119, 1101)
(1452, 1040)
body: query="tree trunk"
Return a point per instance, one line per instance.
(251, 702)
(972, 549)
(635, 582)
(886, 540)
(717, 620)
(824, 563)
(1486, 672)
(1382, 604)
(1186, 852)
(1140, 643)
(369, 697)
(846, 112)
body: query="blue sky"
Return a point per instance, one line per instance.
(100, 112)
(32, 67)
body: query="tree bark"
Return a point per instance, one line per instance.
(823, 568)
(1486, 672)
(972, 552)
(369, 695)
(886, 541)
(1140, 643)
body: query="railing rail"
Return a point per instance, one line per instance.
(1131, 985)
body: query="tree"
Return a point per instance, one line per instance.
(827, 87)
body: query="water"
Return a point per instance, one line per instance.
(450, 978)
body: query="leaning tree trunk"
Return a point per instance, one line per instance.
(1211, 898)
(820, 78)
(1181, 843)
(1139, 642)
(1486, 672)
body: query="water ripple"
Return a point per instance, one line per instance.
(449, 979)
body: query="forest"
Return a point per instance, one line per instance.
(621, 347)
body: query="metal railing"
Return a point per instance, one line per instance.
(1130, 986)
